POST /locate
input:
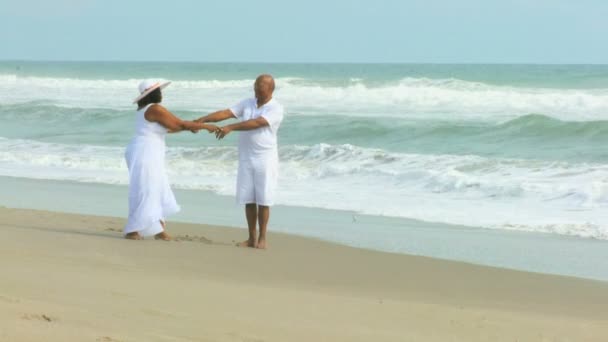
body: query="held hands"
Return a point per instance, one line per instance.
(211, 128)
(207, 127)
(199, 120)
(221, 132)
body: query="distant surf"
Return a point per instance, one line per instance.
(483, 146)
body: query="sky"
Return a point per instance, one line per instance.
(311, 31)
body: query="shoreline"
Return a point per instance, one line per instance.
(536, 252)
(78, 271)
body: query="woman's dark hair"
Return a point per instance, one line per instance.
(154, 97)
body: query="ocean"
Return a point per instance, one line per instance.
(491, 147)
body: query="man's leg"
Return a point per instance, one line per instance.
(251, 212)
(263, 217)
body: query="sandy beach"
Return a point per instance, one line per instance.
(72, 277)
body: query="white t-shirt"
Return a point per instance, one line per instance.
(261, 142)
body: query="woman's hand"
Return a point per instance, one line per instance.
(211, 128)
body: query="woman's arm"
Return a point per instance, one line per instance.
(172, 123)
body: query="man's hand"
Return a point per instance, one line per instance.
(220, 133)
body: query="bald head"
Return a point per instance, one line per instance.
(263, 87)
(265, 80)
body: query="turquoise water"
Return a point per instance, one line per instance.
(519, 75)
(504, 147)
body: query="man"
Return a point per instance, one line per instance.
(259, 121)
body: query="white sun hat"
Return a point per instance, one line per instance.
(148, 86)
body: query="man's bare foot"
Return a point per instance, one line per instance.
(163, 236)
(247, 243)
(261, 243)
(133, 236)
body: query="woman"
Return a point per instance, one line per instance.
(151, 200)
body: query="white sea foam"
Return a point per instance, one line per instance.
(408, 98)
(539, 196)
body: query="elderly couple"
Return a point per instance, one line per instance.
(151, 200)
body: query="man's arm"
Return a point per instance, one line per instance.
(220, 115)
(241, 126)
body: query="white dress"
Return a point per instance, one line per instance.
(150, 197)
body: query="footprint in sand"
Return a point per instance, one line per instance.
(106, 339)
(36, 317)
(9, 300)
(157, 313)
(189, 238)
(193, 238)
(242, 338)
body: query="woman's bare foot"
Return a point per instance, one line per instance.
(261, 243)
(133, 236)
(163, 236)
(248, 243)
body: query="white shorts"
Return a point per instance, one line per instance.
(256, 182)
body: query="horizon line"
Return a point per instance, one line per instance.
(291, 62)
